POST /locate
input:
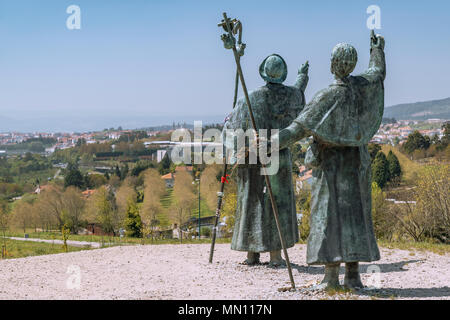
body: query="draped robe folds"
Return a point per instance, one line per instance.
(274, 106)
(342, 120)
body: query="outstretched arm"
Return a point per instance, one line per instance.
(291, 134)
(302, 77)
(377, 64)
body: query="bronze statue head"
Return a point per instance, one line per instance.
(343, 60)
(273, 69)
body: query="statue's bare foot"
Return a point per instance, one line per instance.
(276, 260)
(331, 279)
(277, 263)
(353, 284)
(252, 259)
(352, 279)
(325, 286)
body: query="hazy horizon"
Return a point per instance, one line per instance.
(37, 122)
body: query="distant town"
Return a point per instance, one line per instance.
(393, 132)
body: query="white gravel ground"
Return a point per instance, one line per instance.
(183, 272)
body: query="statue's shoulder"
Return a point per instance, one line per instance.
(358, 81)
(253, 94)
(328, 95)
(292, 90)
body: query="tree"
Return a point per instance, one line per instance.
(395, 170)
(124, 194)
(4, 223)
(124, 172)
(93, 181)
(384, 223)
(433, 200)
(73, 177)
(133, 223)
(303, 199)
(184, 200)
(446, 138)
(228, 211)
(73, 209)
(117, 171)
(164, 165)
(416, 141)
(380, 169)
(141, 166)
(154, 189)
(209, 183)
(373, 149)
(102, 209)
(22, 215)
(411, 220)
(298, 157)
(50, 207)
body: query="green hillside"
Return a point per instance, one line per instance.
(435, 109)
(167, 200)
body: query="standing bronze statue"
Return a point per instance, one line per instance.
(342, 120)
(274, 106)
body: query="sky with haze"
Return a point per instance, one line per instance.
(139, 63)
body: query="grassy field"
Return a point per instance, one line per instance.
(167, 201)
(20, 249)
(438, 248)
(107, 240)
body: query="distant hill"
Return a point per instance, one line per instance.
(435, 109)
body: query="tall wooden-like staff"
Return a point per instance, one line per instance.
(227, 23)
(237, 28)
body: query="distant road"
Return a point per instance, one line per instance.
(73, 243)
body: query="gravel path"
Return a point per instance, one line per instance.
(182, 272)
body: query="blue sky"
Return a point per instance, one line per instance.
(140, 63)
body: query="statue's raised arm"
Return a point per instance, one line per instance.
(349, 111)
(302, 77)
(377, 63)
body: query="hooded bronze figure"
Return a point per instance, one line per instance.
(342, 119)
(274, 106)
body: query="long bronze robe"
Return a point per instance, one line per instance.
(274, 106)
(342, 119)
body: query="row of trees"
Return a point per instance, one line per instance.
(130, 204)
(386, 169)
(419, 146)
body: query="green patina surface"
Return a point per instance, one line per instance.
(274, 106)
(342, 119)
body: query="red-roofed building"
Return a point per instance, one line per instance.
(169, 179)
(88, 193)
